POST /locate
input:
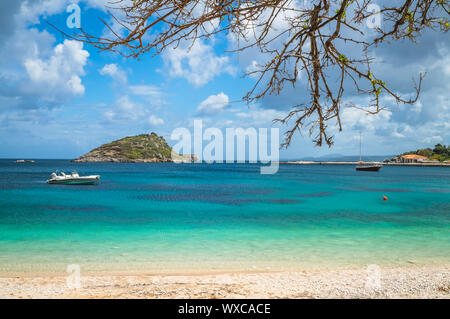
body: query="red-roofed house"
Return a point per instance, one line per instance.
(412, 158)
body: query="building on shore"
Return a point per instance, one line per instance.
(412, 158)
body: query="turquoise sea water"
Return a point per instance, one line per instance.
(182, 218)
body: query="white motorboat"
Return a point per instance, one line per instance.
(72, 179)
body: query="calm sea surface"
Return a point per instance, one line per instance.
(169, 218)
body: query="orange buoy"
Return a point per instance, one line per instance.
(384, 198)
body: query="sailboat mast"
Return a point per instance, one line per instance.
(360, 148)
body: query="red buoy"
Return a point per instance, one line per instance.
(384, 198)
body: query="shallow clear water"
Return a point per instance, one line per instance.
(167, 218)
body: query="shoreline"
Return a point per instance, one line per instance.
(127, 268)
(397, 282)
(153, 161)
(219, 272)
(365, 163)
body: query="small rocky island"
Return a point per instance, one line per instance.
(144, 148)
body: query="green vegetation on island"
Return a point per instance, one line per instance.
(140, 148)
(439, 153)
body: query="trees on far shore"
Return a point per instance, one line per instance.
(439, 152)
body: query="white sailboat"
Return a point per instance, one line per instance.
(362, 166)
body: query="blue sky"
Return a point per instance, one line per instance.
(60, 98)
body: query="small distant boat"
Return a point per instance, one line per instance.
(30, 161)
(72, 179)
(20, 161)
(366, 167)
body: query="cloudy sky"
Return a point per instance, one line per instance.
(60, 98)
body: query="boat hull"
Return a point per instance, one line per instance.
(368, 168)
(74, 181)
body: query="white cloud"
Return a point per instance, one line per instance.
(36, 72)
(146, 90)
(30, 11)
(251, 57)
(198, 64)
(114, 72)
(153, 94)
(254, 66)
(58, 75)
(356, 118)
(213, 104)
(125, 110)
(155, 121)
(260, 117)
(433, 140)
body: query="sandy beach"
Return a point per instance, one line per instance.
(409, 282)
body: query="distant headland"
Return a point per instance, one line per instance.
(438, 156)
(144, 148)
